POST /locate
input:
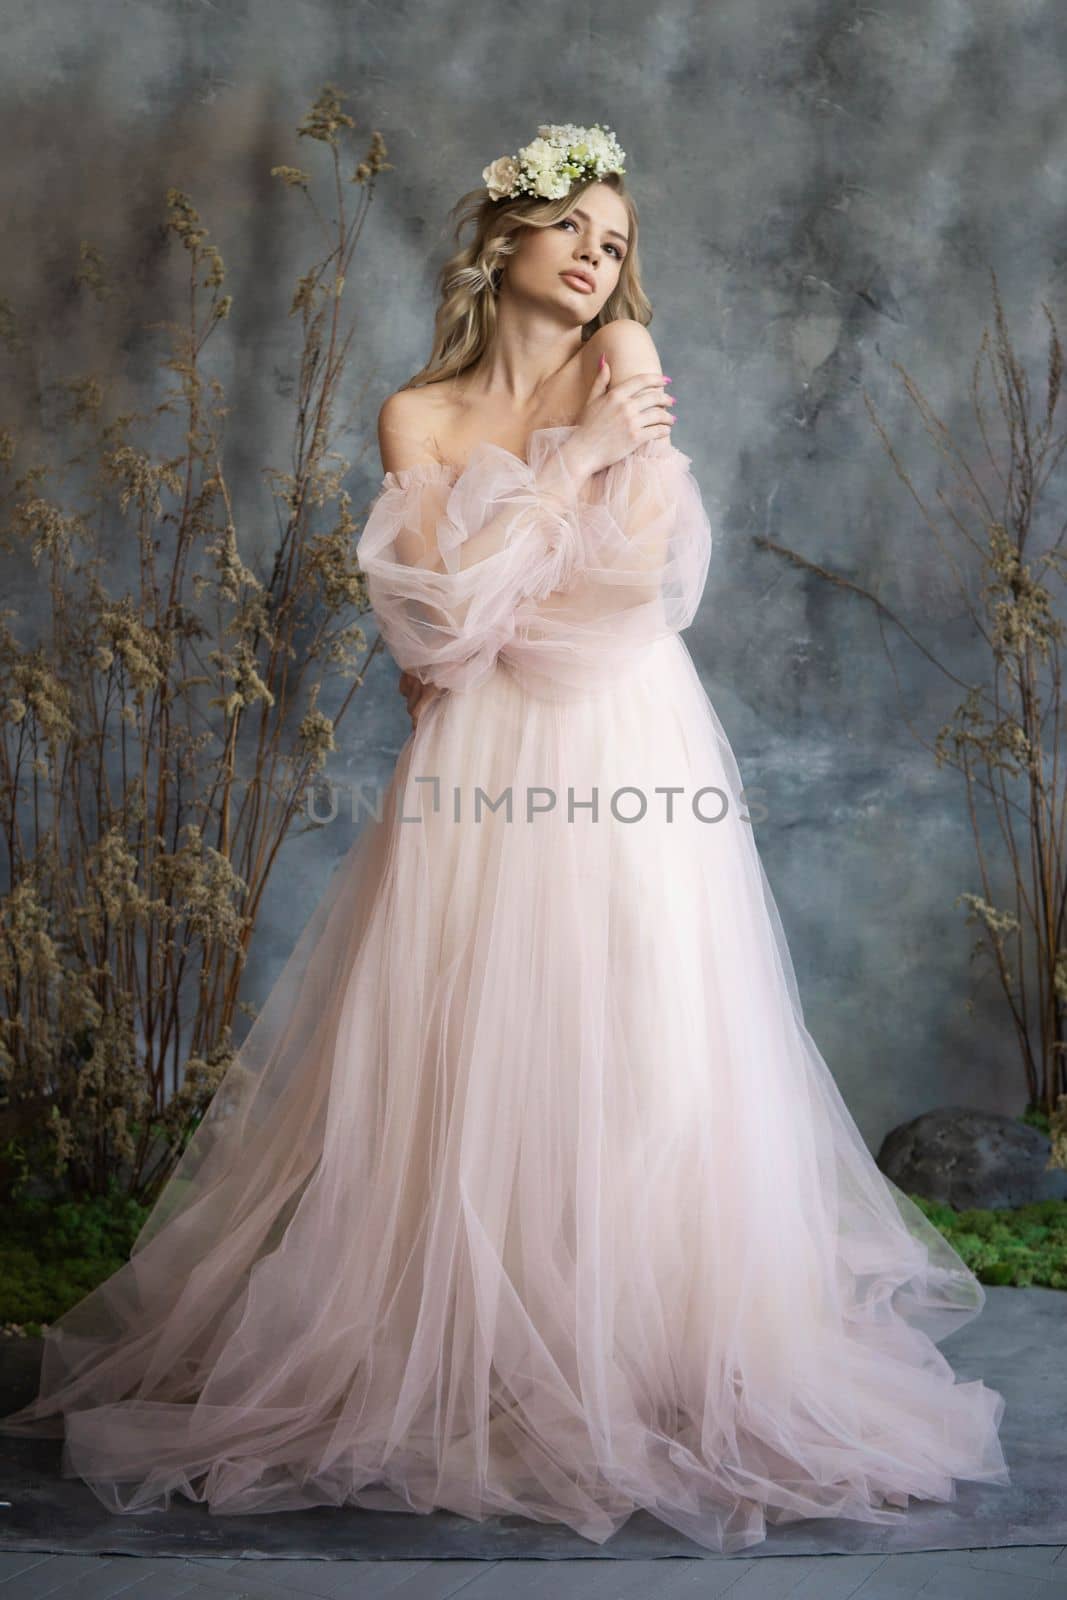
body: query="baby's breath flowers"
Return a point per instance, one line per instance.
(561, 154)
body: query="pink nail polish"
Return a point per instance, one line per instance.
(666, 379)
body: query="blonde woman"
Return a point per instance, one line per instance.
(529, 1191)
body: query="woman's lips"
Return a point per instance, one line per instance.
(578, 283)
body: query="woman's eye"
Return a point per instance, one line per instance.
(569, 222)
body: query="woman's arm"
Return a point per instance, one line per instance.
(459, 563)
(448, 558)
(404, 441)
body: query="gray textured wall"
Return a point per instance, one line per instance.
(823, 188)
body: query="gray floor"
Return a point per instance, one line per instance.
(56, 1539)
(1032, 1572)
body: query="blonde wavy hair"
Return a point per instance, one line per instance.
(467, 282)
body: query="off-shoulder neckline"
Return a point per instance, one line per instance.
(455, 469)
(450, 470)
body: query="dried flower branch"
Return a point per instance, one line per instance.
(157, 744)
(1004, 735)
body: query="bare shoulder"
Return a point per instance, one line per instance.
(405, 430)
(628, 346)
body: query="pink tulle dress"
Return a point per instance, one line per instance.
(528, 1190)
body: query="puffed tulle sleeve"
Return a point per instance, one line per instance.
(465, 566)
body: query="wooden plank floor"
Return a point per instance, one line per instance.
(1028, 1572)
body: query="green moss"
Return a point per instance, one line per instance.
(1020, 1246)
(53, 1252)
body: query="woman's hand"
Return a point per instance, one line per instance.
(417, 694)
(615, 421)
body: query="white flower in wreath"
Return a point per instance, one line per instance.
(546, 167)
(500, 176)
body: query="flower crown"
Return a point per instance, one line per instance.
(561, 153)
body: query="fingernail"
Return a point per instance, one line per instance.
(666, 379)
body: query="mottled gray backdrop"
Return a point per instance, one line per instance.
(824, 188)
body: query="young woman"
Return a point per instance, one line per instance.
(529, 1191)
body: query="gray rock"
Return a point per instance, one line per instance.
(963, 1157)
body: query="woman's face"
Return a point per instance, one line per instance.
(590, 241)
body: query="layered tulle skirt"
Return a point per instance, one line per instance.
(529, 1191)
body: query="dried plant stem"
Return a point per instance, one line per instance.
(156, 748)
(1004, 735)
